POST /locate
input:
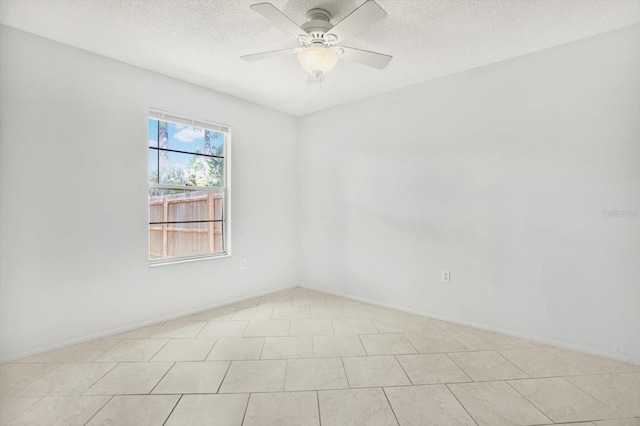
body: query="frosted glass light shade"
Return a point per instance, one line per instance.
(317, 59)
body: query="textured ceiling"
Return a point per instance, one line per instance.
(200, 41)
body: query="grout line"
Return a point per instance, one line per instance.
(319, 413)
(404, 371)
(172, 410)
(101, 377)
(224, 376)
(245, 408)
(410, 342)
(527, 399)
(264, 342)
(512, 363)
(286, 367)
(159, 349)
(461, 404)
(211, 350)
(460, 368)
(345, 373)
(162, 378)
(88, 420)
(366, 352)
(390, 406)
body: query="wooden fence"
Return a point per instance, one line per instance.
(186, 239)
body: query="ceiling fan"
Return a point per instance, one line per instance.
(320, 42)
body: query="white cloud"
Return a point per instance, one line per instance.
(189, 134)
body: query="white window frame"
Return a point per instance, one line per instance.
(226, 224)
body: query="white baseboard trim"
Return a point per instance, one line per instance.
(119, 330)
(538, 339)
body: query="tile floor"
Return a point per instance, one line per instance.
(299, 357)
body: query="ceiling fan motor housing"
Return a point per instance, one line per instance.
(317, 25)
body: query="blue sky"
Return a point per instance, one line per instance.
(181, 138)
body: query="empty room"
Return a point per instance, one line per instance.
(319, 212)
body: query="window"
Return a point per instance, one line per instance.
(188, 188)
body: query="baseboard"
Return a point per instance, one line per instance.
(119, 330)
(538, 339)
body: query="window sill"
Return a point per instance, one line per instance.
(155, 263)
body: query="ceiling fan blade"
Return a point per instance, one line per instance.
(367, 14)
(267, 55)
(273, 14)
(372, 59)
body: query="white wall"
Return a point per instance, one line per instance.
(73, 188)
(499, 174)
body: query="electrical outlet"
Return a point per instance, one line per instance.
(446, 276)
(243, 264)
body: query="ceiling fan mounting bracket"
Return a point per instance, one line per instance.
(318, 14)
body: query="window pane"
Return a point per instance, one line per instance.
(168, 205)
(190, 169)
(185, 238)
(153, 132)
(153, 166)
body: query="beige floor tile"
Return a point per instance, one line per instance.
(254, 313)
(621, 392)
(574, 424)
(185, 350)
(130, 378)
(135, 410)
(542, 362)
(236, 348)
(15, 377)
(300, 312)
(331, 312)
(310, 327)
(395, 324)
(355, 407)
(431, 405)
(12, 408)
(562, 401)
(618, 422)
(374, 371)
(245, 303)
(480, 340)
(486, 365)
(84, 352)
(218, 314)
(386, 344)
(61, 410)
(309, 301)
(287, 347)
(595, 364)
(282, 409)
(315, 374)
(261, 328)
(67, 380)
(353, 326)
(341, 301)
(428, 369)
(427, 342)
(497, 404)
(131, 350)
(255, 376)
(193, 377)
(139, 333)
(434, 325)
(216, 329)
(337, 346)
(209, 410)
(179, 330)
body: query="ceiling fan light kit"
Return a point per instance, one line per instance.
(320, 41)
